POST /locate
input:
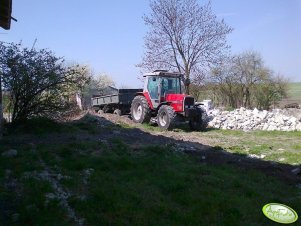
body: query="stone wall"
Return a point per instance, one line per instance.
(245, 119)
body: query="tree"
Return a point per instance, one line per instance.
(183, 36)
(97, 86)
(37, 80)
(270, 91)
(249, 69)
(225, 84)
(101, 82)
(244, 80)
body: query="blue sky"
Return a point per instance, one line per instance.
(108, 35)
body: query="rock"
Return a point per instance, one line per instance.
(10, 153)
(285, 118)
(247, 120)
(246, 130)
(224, 127)
(238, 117)
(286, 128)
(255, 112)
(263, 114)
(265, 127)
(296, 171)
(271, 128)
(253, 156)
(298, 127)
(242, 109)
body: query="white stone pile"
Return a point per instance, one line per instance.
(245, 119)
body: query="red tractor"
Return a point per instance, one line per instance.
(163, 98)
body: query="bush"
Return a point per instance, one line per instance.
(37, 82)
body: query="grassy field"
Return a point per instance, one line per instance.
(284, 147)
(276, 146)
(294, 94)
(58, 180)
(295, 90)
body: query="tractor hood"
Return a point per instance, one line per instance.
(180, 101)
(175, 97)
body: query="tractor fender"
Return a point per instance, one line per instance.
(147, 97)
(139, 94)
(163, 103)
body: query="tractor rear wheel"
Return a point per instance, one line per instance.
(166, 117)
(199, 122)
(140, 110)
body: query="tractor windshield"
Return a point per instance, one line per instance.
(170, 85)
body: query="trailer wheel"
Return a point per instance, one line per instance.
(166, 117)
(96, 109)
(199, 122)
(117, 112)
(107, 109)
(140, 111)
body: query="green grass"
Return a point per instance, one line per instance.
(150, 185)
(165, 188)
(40, 126)
(294, 94)
(278, 146)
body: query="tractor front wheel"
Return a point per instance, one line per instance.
(166, 117)
(199, 122)
(140, 111)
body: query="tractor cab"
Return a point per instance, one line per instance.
(163, 86)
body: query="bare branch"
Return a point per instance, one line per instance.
(183, 36)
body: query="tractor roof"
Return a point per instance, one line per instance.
(163, 73)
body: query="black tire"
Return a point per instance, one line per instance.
(96, 109)
(140, 111)
(199, 122)
(166, 117)
(107, 109)
(117, 112)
